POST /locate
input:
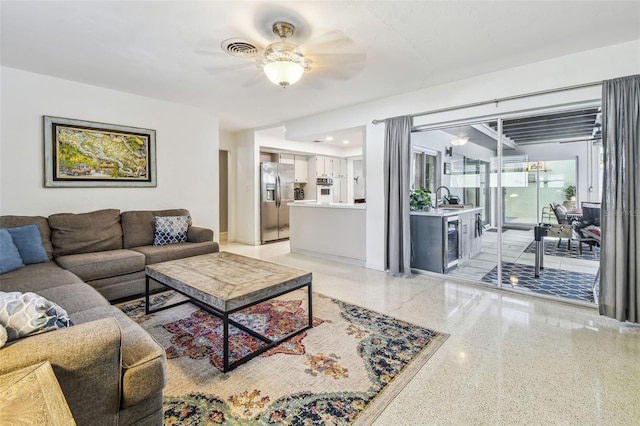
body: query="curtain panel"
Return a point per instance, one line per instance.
(620, 254)
(397, 164)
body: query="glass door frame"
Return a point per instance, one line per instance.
(499, 207)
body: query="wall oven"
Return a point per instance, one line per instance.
(324, 190)
(451, 247)
(324, 194)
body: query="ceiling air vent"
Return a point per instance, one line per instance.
(239, 48)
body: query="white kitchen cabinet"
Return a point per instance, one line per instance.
(336, 167)
(286, 159)
(340, 167)
(330, 167)
(470, 241)
(340, 190)
(321, 166)
(301, 169)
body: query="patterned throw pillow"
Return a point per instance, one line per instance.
(3, 335)
(171, 230)
(25, 314)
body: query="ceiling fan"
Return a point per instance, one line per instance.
(284, 63)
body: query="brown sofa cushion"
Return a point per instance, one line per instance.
(122, 286)
(43, 224)
(157, 254)
(85, 232)
(138, 227)
(37, 277)
(74, 297)
(143, 359)
(102, 264)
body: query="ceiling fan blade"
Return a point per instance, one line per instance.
(234, 67)
(341, 59)
(255, 79)
(338, 67)
(329, 42)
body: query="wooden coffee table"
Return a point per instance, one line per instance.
(223, 283)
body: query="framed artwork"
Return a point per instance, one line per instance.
(88, 154)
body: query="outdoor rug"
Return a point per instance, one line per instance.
(551, 249)
(343, 371)
(553, 282)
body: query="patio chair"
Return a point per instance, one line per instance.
(561, 216)
(588, 229)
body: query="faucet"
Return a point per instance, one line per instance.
(448, 194)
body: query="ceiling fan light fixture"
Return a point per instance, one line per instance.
(459, 141)
(283, 72)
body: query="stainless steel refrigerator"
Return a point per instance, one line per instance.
(276, 190)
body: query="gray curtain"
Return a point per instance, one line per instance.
(620, 253)
(397, 166)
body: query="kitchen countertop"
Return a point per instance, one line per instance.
(315, 204)
(443, 211)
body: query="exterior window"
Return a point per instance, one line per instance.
(425, 170)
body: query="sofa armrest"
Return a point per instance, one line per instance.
(86, 359)
(196, 234)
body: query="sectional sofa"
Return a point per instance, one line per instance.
(111, 371)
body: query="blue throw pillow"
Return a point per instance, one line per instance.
(29, 243)
(9, 255)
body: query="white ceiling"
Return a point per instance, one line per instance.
(171, 50)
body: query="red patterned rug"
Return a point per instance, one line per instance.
(343, 371)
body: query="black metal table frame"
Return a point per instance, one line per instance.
(226, 321)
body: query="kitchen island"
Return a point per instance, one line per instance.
(332, 231)
(443, 238)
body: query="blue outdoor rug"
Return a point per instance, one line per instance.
(551, 249)
(552, 282)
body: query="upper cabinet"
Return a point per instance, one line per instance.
(330, 167)
(301, 170)
(321, 166)
(286, 159)
(339, 167)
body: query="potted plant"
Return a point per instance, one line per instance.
(420, 199)
(570, 194)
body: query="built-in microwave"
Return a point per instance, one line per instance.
(326, 181)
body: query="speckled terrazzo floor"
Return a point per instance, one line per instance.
(510, 359)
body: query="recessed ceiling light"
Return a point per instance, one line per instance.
(329, 138)
(345, 141)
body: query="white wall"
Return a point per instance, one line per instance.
(310, 148)
(585, 67)
(247, 201)
(186, 145)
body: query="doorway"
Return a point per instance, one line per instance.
(223, 194)
(510, 176)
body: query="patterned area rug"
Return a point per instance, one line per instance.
(343, 371)
(551, 249)
(553, 282)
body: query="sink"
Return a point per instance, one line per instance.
(451, 206)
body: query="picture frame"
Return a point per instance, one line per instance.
(79, 153)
